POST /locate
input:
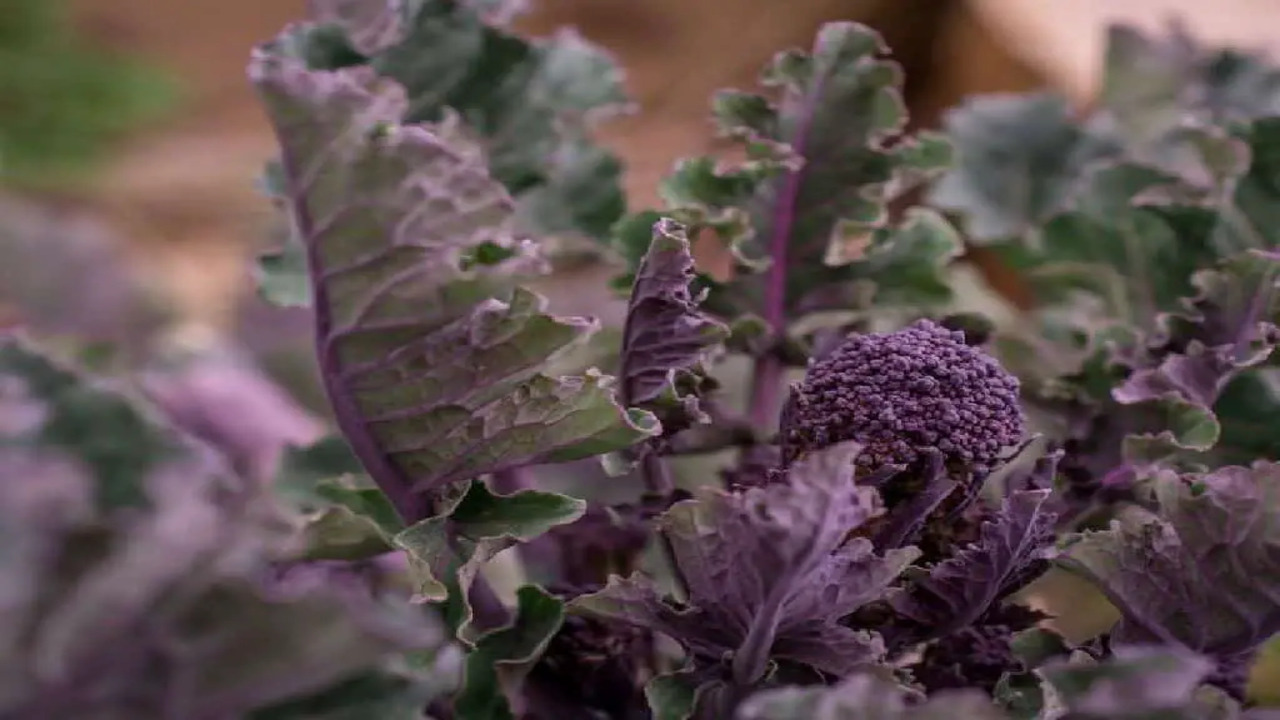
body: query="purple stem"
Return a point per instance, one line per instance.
(511, 481)
(659, 484)
(488, 612)
(656, 475)
(767, 374)
(765, 380)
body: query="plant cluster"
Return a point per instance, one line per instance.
(902, 469)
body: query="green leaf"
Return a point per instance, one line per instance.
(345, 516)
(472, 526)
(368, 27)
(397, 693)
(1018, 158)
(341, 533)
(433, 379)
(1176, 426)
(1136, 260)
(1250, 218)
(1145, 82)
(908, 266)
(1249, 411)
(1163, 104)
(673, 695)
(1155, 86)
(502, 658)
(348, 519)
(301, 468)
(1020, 695)
(580, 192)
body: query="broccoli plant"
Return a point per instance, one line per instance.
(520, 514)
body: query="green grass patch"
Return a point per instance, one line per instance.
(63, 101)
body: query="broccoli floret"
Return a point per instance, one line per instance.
(901, 393)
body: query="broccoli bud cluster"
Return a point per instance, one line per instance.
(901, 393)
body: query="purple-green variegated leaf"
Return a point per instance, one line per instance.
(532, 102)
(865, 697)
(826, 154)
(1203, 573)
(142, 576)
(1228, 327)
(956, 592)
(1022, 159)
(433, 378)
(770, 572)
(1139, 682)
(667, 339)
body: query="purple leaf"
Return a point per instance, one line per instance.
(977, 656)
(770, 572)
(432, 378)
(226, 401)
(1204, 574)
(959, 590)
(905, 521)
(666, 338)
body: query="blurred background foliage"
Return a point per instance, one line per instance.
(65, 98)
(129, 141)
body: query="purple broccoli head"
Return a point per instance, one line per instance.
(903, 393)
